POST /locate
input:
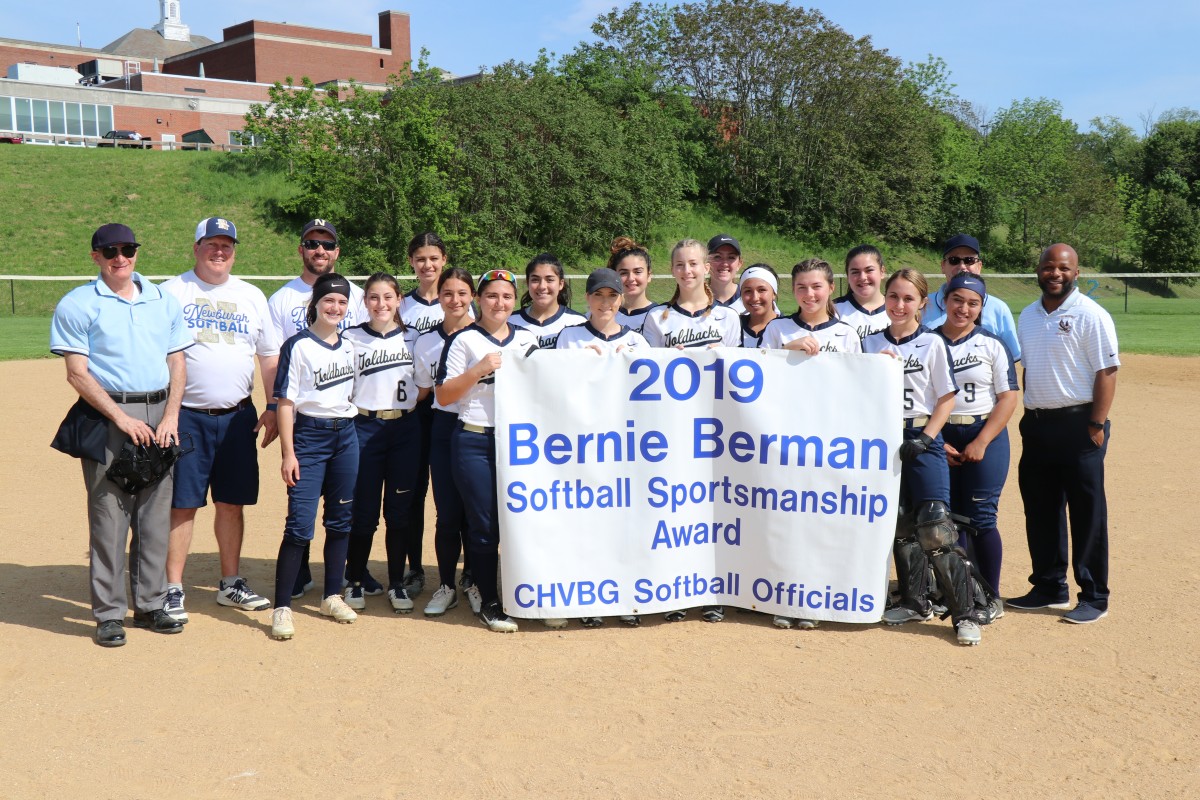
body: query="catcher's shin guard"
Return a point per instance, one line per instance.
(938, 537)
(911, 567)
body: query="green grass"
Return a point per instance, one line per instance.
(24, 337)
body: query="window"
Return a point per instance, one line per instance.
(6, 114)
(104, 118)
(242, 138)
(24, 116)
(58, 119)
(89, 121)
(74, 123)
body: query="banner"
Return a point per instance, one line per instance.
(644, 482)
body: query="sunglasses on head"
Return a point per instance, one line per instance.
(127, 250)
(497, 275)
(966, 261)
(313, 244)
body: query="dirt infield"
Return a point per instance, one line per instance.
(403, 706)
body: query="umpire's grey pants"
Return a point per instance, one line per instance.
(111, 514)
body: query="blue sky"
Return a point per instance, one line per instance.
(1098, 58)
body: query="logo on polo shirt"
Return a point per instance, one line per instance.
(1064, 326)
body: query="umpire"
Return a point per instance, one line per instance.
(1069, 346)
(123, 341)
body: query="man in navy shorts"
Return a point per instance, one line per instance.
(230, 323)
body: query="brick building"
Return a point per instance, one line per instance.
(164, 82)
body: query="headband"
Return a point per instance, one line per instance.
(762, 275)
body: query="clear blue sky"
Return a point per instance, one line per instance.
(1098, 58)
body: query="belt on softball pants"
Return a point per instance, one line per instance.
(386, 413)
(466, 426)
(333, 423)
(139, 397)
(966, 419)
(916, 422)
(219, 412)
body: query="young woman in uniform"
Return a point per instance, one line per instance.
(976, 436)
(466, 376)
(546, 304)
(319, 448)
(929, 390)
(815, 325)
(456, 291)
(631, 262)
(758, 289)
(389, 440)
(862, 306)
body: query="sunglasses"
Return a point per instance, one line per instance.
(966, 261)
(127, 250)
(498, 275)
(313, 244)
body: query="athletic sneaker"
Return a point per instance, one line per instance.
(495, 619)
(808, 624)
(591, 622)
(554, 623)
(239, 595)
(675, 616)
(474, 598)
(173, 605)
(300, 589)
(713, 613)
(902, 614)
(968, 632)
(993, 612)
(371, 587)
(401, 602)
(465, 581)
(444, 599)
(334, 606)
(632, 620)
(414, 582)
(781, 621)
(282, 626)
(1084, 613)
(356, 596)
(1035, 600)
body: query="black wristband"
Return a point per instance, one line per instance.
(1097, 425)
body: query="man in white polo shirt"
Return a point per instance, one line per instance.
(229, 321)
(1069, 349)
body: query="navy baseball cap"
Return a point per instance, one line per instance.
(318, 225)
(604, 278)
(723, 239)
(965, 280)
(112, 233)
(960, 240)
(215, 226)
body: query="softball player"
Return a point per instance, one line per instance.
(692, 319)
(631, 262)
(466, 376)
(863, 305)
(976, 436)
(456, 290)
(815, 326)
(603, 333)
(320, 448)
(929, 391)
(725, 262)
(546, 304)
(758, 289)
(389, 440)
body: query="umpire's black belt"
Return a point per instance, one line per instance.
(219, 412)
(1051, 413)
(139, 397)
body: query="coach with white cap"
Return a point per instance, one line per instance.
(1071, 362)
(231, 324)
(123, 341)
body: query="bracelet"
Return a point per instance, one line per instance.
(272, 406)
(1097, 425)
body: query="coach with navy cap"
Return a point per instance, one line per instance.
(960, 253)
(123, 341)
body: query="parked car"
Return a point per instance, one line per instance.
(124, 139)
(12, 138)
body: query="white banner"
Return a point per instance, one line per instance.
(666, 479)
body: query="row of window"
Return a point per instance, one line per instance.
(53, 116)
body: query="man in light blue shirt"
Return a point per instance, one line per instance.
(961, 254)
(123, 341)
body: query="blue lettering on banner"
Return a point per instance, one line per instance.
(794, 595)
(561, 595)
(567, 494)
(696, 533)
(601, 447)
(847, 501)
(794, 450)
(684, 587)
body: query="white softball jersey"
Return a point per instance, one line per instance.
(927, 368)
(230, 324)
(579, 336)
(423, 315)
(635, 320)
(714, 325)
(427, 354)
(864, 322)
(546, 332)
(383, 368)
(317, 376)
(834, 336)
(289, 308)
(465, 349)
(983, 369)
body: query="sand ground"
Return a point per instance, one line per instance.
(402, 706)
